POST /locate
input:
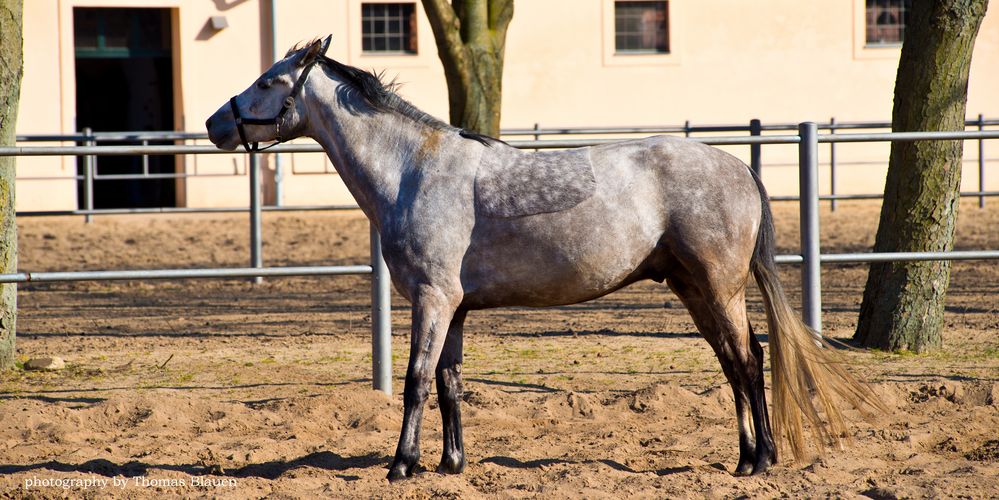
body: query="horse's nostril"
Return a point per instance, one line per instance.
(208, 123)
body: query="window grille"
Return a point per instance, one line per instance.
(641, 27)
(388, 28)
(886, 20)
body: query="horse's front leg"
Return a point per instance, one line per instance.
(432, 312)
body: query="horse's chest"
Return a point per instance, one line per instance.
(534, 184)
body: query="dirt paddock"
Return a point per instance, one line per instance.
(229, 389)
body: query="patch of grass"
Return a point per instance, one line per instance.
(529, 353)
(990, 353)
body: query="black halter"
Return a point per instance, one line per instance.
(289, 102)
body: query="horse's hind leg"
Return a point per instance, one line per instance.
(432, 312)
(449, 392)
(720, 315)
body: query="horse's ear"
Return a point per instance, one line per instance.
(326, 44)
(316, 49)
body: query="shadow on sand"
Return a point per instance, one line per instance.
(325, 460)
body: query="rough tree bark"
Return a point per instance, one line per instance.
(904, 301)
(471, 37)
(11, 68)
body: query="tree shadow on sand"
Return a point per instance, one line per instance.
(544, 462)
(274, 469)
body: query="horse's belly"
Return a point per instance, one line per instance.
(553, 265)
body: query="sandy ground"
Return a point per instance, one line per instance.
(229, 389)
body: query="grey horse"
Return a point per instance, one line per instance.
(468, 222)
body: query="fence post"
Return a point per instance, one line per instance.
(832, 165)
(808, 166)
(256, 242)
(686, 128)
(145, 160)
(381, 318)
(981, 162)
(755, 129)
(88, 176)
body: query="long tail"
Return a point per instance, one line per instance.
(808, 375)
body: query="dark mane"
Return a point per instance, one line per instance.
(382, 97)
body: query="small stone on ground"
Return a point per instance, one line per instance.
(50, 363)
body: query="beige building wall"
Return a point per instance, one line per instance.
(730, 61)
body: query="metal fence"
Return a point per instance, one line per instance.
(89, 173)
(810, 258)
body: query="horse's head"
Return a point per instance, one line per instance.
(270, 108)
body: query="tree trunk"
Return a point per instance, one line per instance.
(904, 301)
(471, 38)
(11, 68)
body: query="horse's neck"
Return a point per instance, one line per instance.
(369, 151)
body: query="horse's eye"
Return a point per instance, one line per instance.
(265, 84)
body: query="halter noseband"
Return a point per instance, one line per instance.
(289, 102)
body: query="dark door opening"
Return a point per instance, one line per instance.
(124, 82)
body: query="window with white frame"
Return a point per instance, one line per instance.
(388, 28)
(886, 20)
(641, 27)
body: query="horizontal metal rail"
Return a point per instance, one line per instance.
(910, 136)
(172, 135)
(545, 144)
(164, 274)
(166, 135)
(873, 196)
(186, 210)
(693, 129)
(863, 257)
(272, 272)
(112, 177)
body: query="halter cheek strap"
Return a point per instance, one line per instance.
(289, 102)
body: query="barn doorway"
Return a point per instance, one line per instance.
(124, 82)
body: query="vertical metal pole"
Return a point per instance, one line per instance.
(278, 163)
(808, 166)
(686, 128)
(755, 129)
(381, 318)
(145, 159)
(256, 243)
(88, 176)
(981, 162)
(278, 180)
(832, 165)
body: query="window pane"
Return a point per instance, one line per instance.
(85, 28)
(641, 26)
(886, 20)
(388, 27)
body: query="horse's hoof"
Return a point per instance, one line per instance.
(743, 469)
(761, 466)
(396, 474)
(451, 466)
(400, 471)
